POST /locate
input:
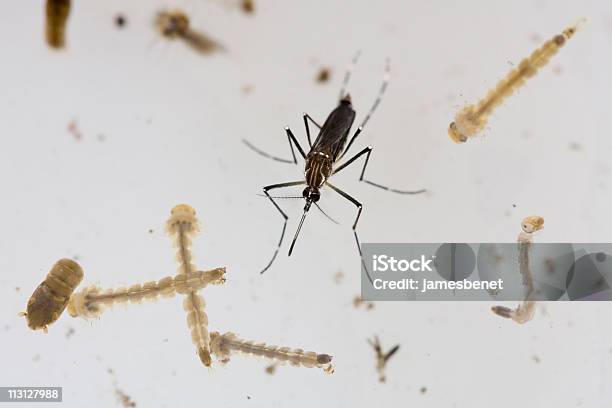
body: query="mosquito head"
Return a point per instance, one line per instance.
(311, 195)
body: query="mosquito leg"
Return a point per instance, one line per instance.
(381, 91)
(306, 117)
(292, 140)
(368, 151)
(347, 76)
(285, 218)
(359, 208)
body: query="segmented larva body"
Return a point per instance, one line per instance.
(57, 12)
(175, 24)
(92, 301)
(472, 119)
(51, 297)
(223, 345)
(524, 311)
(182, 225)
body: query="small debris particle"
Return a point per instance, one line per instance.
(17, 288)
(69, 332)
(514, 205)
(338, 277)
(536, 38)
(557, 70)
(423, 390)
(575, 146)
(536, 359)
(248, 6)
(124, 399)
(271, 369)
(248, 397)
(73, 128)
(36, 357)
(358, 301)
(120, 21)
(323, 75)
(247, 89)
(151, 231)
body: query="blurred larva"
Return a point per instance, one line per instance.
(175, 24)
(381, 357)
(51, 297)
(57, 12)
(223, 345)
(92, 301)
(524, 311)
(182, 225)
(472, 119)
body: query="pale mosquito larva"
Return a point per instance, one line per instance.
(382, 358)
(525, 310)
(223, 345)
(174, 24)
(472, 119)
(92, 301)
(57, 12)
(182, 225)
(51, 297)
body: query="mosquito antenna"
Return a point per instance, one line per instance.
(347, 76)
(381, 91)
(325, 214)
(298, 229)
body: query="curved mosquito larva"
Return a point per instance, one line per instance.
(223, 345)
(524, 311)
(92, 301)
(472, 119)
(57, 12)
(51, 297)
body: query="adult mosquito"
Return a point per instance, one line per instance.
(325, 153)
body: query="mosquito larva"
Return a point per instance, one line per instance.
(223, 345)
(51, 297)
(175, 24)
(382, 358)
(57, 12)
(92, 301)
(182, 225)
(524, 311)
(472, 119)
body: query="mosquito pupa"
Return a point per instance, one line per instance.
(51, 297)
(223, 345)
(382, 358)
(182, 225)
(472, 119)
(92, 301)
(57, 12)
(524, 311)
(175, 24)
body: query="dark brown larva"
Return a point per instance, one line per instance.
(51, 297)
(57, 15)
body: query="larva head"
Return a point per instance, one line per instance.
(455, 135)
(184, 215)
(532, 224)
(172, 24)
(218, 275)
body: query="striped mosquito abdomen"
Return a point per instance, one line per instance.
(57, 12)
(92, 301)
(223, 345)
(51, 297)
(472, 119)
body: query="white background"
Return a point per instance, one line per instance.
(163, 125)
